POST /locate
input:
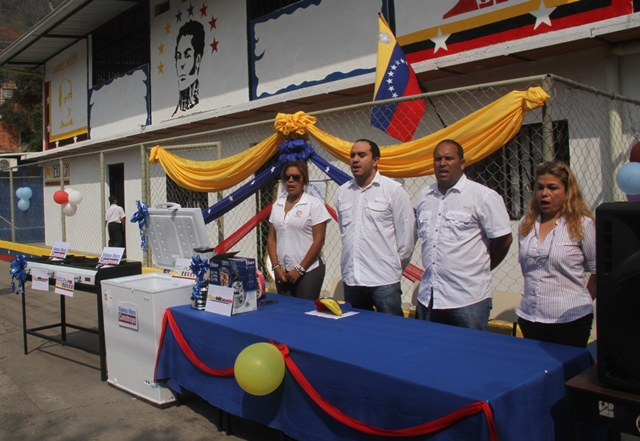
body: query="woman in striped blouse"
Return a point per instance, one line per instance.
(557, 239)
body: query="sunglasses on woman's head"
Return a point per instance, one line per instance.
(295, 177)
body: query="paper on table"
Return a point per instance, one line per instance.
(64, 284)
(331, 315)
(40, 279)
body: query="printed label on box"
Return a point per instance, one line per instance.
(238, 275)
(128, 315)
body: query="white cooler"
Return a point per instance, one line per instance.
(133, 307)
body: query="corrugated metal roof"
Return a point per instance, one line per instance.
(68, 23)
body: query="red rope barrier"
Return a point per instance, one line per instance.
(422, 429)
(330, 409)
(186, 349)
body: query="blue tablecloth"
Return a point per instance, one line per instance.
(386, 371)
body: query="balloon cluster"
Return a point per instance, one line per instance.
(628, 177)
(259, 369)
(24, 194)
(70, 199)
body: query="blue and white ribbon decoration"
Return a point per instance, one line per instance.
(141, 217)
(198, 267)
(18, 271)
(295, 150)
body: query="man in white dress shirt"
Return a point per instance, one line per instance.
(113, 219)
(377, 226)
(466, 232)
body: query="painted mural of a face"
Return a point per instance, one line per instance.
(188, 56)
(65, 97)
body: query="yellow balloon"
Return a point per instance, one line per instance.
(259, 369)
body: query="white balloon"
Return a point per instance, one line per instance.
(75, 197)
(69, 210)
(24, 204)
(69, 190)
(26, 193)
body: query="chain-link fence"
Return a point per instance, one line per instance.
(591, 130)
(23, 220)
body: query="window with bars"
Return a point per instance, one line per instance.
(121, 45)
(511, 170)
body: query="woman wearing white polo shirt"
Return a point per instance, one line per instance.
(557, 239)
(297, 228)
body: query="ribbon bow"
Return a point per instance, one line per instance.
(18, 266)
(198, 267)
(141, 217)
(295, 150)
(293, 126)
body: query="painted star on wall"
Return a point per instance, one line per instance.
(440, 41)
(542, 15)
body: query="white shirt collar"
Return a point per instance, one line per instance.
(462, 182)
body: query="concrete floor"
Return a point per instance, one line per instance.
(55, 393)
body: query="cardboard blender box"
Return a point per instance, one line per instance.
(238, 275)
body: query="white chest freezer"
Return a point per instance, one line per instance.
(133, 307)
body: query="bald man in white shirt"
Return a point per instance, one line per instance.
(466, 232)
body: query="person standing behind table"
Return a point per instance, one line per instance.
(466, 232)
(297, 228)
(114, 220)
(557, 238)
(377, 227)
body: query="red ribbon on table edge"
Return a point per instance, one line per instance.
(334, 412)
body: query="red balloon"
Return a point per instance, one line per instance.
(634, 156)
(61, 197)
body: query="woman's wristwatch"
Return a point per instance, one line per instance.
(300, 269)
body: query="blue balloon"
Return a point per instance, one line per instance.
(24, 204)
(26, 193)
(628, 178)
(19, 193)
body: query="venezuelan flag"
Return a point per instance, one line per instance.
(395, 78)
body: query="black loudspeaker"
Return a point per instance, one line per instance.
(618, 301)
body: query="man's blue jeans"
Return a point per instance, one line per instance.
(474, 316)
(386, 298)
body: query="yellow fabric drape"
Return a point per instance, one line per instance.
(480, 133)
(219, 174)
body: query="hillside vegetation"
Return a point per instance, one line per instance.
(17, 16)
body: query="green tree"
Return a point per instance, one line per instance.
(24, 111)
